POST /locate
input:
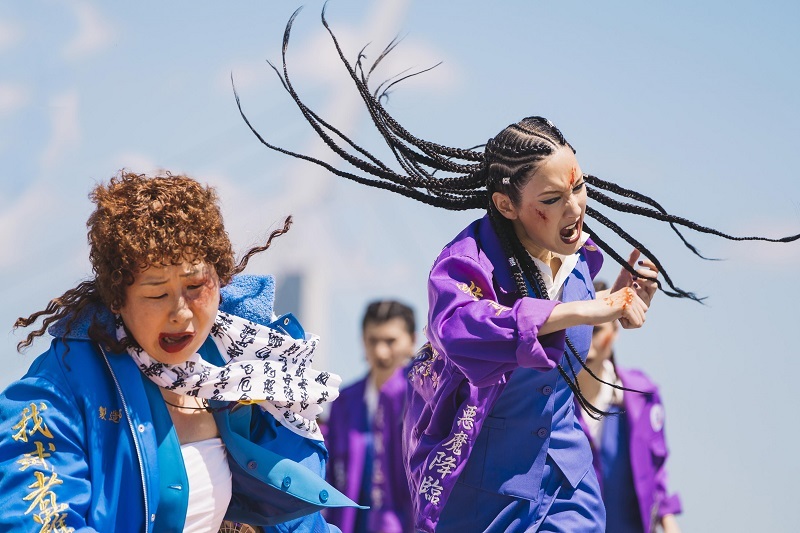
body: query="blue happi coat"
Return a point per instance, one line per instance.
(83, 447)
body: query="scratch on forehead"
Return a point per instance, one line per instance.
(572, 174)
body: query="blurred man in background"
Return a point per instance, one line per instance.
(364, 429)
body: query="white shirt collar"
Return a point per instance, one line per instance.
(568, 262)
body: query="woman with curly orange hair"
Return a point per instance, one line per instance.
(171, 398)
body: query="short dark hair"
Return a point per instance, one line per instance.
(381, 311)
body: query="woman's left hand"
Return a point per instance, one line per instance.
(645, 282)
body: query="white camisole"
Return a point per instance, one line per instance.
(209, 476)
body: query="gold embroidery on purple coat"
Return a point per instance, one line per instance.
(471, 289)
(497, 307)
(422, 366)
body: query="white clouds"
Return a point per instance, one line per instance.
(12, 97)
(314, 63)
(94, 32)
(65, 128)
(318, 59)
(10, 35)
(135, 162)
(15, 218)
(247, 75)
(315, 58)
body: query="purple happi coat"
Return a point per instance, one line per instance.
(479, 332)
(347, 439)
(647, 447)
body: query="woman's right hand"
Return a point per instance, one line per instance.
(624, 305)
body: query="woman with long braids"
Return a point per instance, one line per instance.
(491, 418)
(491, 440)
(170, 398)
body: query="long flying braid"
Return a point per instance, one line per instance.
(504, 165)
(420, 159)
(639, 197)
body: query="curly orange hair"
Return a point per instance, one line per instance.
(143, 221)
(139, 222)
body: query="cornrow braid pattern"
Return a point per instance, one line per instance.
(472, 176)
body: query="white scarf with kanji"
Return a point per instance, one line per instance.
(262, 366)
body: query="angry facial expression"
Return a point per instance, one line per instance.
(548, 217)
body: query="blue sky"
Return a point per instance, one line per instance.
(692, 103)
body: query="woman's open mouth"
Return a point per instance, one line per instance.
(571, 233)
(174, 343)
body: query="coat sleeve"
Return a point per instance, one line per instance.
(481, 337)
(44, 481)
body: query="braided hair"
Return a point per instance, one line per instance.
(471, 176)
